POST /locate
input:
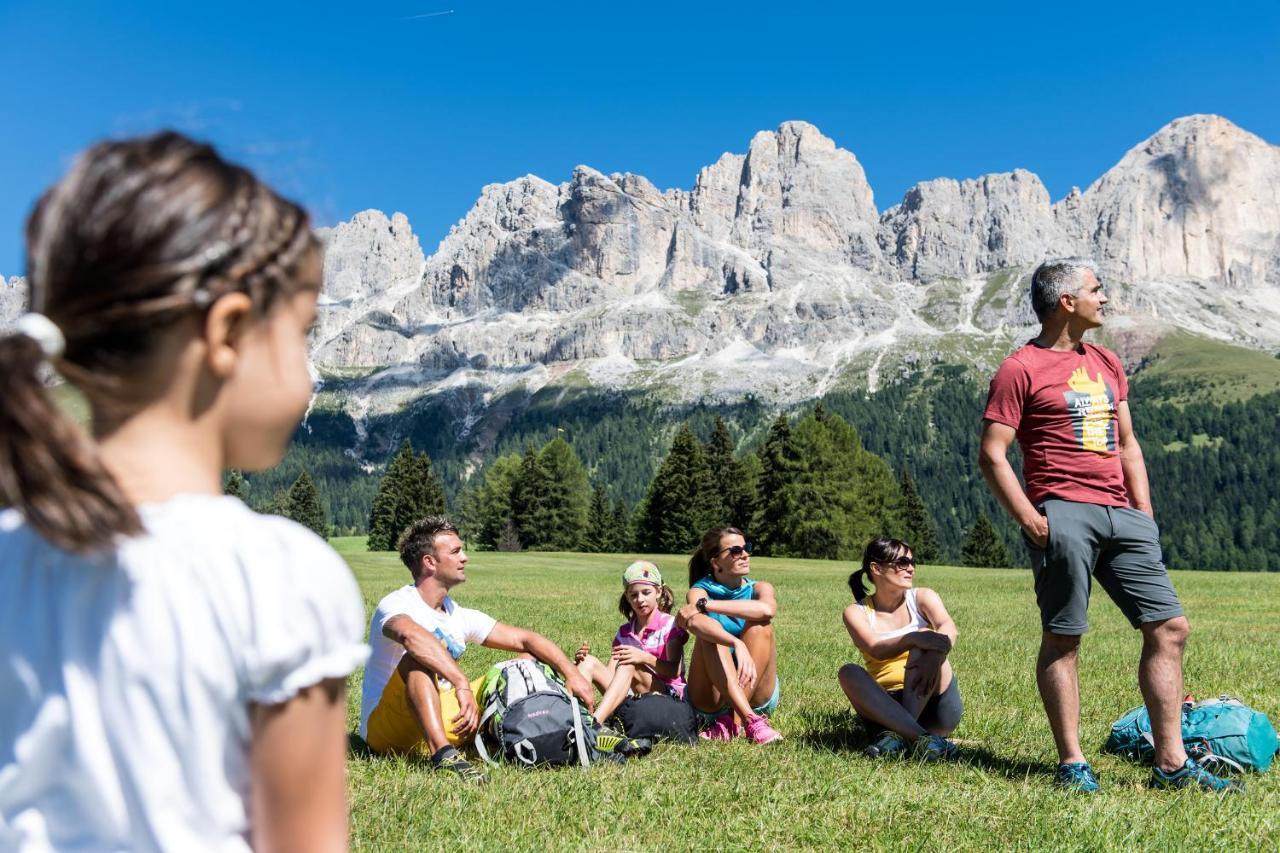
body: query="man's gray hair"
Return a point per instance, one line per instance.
(1054, 278)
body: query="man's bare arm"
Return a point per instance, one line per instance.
(993, 461)
(425, 648)
(1131, 461)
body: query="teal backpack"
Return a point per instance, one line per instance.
(1218, 733)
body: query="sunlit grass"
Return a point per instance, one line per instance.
(815, 789)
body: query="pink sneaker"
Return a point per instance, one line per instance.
(760, 732)
(724, 728)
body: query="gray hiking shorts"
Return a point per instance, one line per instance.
(1119, 546)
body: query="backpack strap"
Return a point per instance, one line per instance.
(490, 708)
(579, 736)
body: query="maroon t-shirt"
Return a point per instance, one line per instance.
(1063, 406)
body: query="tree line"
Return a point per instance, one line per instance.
(810, 490)
(1213, 467)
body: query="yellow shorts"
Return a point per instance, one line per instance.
(394, 728)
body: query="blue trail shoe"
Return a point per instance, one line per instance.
(1192, 775)
(935, 748)
(888, 744)
(1077, 777)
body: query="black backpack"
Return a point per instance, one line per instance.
(656, 716)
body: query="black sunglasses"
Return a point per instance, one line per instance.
(735, 551)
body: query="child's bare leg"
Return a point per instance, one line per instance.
(596, 672)
(643, 681)
(871, 702)
(615, 693)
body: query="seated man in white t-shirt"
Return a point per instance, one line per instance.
(415, 697)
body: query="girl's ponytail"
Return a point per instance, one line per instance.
(49, 470)
(140, 235)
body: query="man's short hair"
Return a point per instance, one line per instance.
(419, 540)
(1054, 278)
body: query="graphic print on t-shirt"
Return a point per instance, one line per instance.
(1091, 403)
(454, 648)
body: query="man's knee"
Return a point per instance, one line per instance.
(1059, 645)
(1170, 633)
(417, 678)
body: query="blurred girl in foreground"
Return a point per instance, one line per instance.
(172, 663)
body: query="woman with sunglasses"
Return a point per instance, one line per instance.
(907, 693)
(733, 671)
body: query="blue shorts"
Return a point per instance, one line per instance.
(706, 718)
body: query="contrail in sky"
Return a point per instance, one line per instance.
(428, 15)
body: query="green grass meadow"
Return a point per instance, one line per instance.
(815, 789)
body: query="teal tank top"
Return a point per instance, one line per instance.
(735, 625)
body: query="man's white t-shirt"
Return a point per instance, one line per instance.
(126, 678)
(454, 626)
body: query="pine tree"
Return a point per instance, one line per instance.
(599, 538)
(567, 498)
(303, 506)
(983, 547)
(508, 537)
(492, 508)
(917, 525)
(822, 493)
(735, 491)
(530, 515)
(623, 538)
(681, 502)
(777, 466)
(235, 486)
(408, 491)
(383, 533)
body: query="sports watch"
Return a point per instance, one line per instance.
(702, 605)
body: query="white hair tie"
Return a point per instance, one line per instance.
(44, 332)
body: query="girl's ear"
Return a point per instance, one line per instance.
(224, 328)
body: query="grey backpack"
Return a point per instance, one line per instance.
(529, 718)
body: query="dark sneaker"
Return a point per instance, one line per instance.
(935, 748)
(607, 740)
(888, 744)
(450, 760)
(1192, 775)
(1077, 777)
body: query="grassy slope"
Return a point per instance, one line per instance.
(1219, 371)
(815, 789)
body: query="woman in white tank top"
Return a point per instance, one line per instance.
(905, 688)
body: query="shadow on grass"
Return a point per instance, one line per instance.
(842, 731)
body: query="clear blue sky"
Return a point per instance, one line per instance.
(356, 105)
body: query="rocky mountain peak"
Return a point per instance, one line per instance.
(1199, 199)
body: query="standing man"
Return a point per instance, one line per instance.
(415, 697)
(1086, 513)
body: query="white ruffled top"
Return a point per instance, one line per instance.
(126, 677)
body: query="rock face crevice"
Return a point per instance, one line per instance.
(776, 275)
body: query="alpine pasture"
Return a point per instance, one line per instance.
(815, 789)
